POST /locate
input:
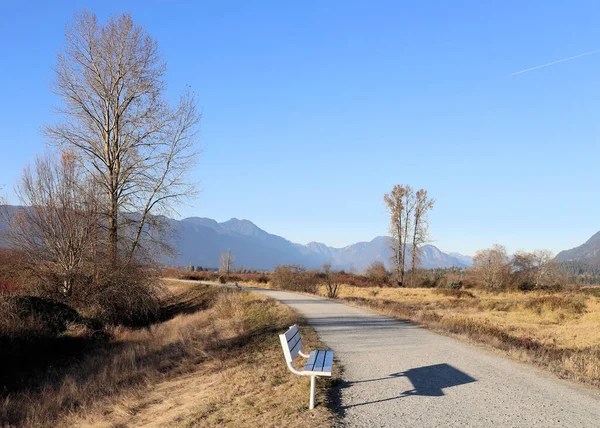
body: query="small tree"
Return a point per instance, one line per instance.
(332, 283)
(491, 267)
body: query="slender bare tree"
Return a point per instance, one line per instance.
(110, 79)
(400, 203)
(423, 204)
(227, 261)
(57, 228)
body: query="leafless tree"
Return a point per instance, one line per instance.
(110, 79)
(57, 228)
(400, 203)
(423, 204)
(537, 269)
(332, 282)
(491, 267)
(227, 261)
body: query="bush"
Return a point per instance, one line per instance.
(263, 279)
(222, 279)
(295, 278)
(376, 272)
(37, 316)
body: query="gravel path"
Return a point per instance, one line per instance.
(400, 375)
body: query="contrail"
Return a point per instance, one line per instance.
(555, 62)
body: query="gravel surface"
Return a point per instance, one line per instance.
(400, 375)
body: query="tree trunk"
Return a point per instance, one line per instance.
(113, 229)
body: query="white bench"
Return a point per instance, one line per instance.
(319, 362)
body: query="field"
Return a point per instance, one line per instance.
(215, 360)
(559, 331)
(555, 330)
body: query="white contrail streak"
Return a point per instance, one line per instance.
(555, 62)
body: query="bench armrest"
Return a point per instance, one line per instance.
(302, 354)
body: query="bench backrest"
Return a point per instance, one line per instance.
(291, 342)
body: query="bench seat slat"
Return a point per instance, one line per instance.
(311, 360)
(319, 363)
(327, 366)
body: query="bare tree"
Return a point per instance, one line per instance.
(139, 149)
(400, 203)
(332, 282)
(227, 261)
(536, 270)
(423, 204)
(57, 228)
(491, 267)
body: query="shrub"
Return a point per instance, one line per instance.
(295, 278)
(332, 282)
(376, 272)
(222, 279)
(38, 315)
(263, 279)
(128, 295)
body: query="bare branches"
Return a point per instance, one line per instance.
(57, 229)
(423, 204)
(491, 268)
(139, 149)
(227, 261)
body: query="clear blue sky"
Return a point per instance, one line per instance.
(314, 109)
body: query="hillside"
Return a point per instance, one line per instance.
(588, 251)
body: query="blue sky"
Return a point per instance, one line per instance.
(313, 110)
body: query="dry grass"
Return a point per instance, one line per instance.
(217, 362)
(557, 331)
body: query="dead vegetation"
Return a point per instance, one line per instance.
(214, 360)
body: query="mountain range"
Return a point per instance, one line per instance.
(589, 251)
(200, 241)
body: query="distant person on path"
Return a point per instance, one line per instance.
(238, 285)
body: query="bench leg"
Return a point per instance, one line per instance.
(313, 387)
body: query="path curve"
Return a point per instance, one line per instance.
(399, 375)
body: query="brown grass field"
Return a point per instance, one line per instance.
(559, 331)
(215, 361)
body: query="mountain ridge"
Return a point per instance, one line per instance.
(200, 241)
(242, 235)
(588, 251)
